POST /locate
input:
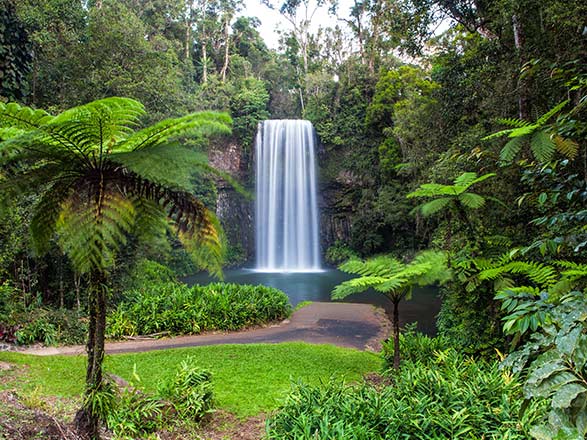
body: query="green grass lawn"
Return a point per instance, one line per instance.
(248, 379)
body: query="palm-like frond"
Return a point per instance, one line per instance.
(434, 206)
(542, 146)
(566, 147)
(391, 277)
(100, 181)
(471, 201)
(92, 231)
(511, 149)
(200, 124)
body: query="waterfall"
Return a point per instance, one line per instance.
(286, 206)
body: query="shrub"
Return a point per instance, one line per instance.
(189, 391)
(447, 395)
(136, 414)
(339, 252)
(179, 309)
(414, 346)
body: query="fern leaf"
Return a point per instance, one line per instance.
(566, 147)
(542, 146)
(513, 122)
(511, 149)
(549, 114)
(196, 124)
(472, 201)
(434, 206)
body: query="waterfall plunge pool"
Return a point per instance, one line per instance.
(317, 285)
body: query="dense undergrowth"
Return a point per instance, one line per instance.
(176, 308)
(438, 393)
(164, 307)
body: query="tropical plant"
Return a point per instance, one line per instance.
(395, 280)
(541, 137)
(99, 180)
(189, 390)
(446, 395)
(452, 200)
(175, 308)
(555, 360)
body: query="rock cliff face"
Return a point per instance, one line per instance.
(236, 212)
(233, 209)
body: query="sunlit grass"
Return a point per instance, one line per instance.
(248, 379)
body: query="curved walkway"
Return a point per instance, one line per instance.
(360, 326)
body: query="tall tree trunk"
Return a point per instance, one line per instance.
(226, 49)
(188, 38)
(86, 420)
(395, 333)
(204, 44)
(523, 87)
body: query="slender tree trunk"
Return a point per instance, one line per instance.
(204, 44)
(86, 421)
(226, 49)
(395, 334)
(523, 87)
(188, 39)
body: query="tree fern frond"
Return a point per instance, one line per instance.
(511, 149)
(513, 122)
(43, 223)
(472, 201)
(91, 232)
(542, 146)
(23, 118)
(98, 125)
(195, 124)
(430, 190)
(549, 114)
(206, 244)
(434, 206)
(167, 164)
(498, 134)
(566, 147)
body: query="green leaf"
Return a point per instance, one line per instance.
(542, 146)
(565, 395)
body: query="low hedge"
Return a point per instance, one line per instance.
(176, 309)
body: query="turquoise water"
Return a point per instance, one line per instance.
(316, 286)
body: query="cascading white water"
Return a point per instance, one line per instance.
(286, 206)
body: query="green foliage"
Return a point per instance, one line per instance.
(339, 252)
(556, 366)
(175, 308)
(15, 53)
(415, 347)
(136, 414)
(446, 395)
(538, 135)
(26, 325)
(189, 391)
(391, 277)
(448, 194)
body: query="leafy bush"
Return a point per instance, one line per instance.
(189, 391)
(136, 414)
(179, 309)
(414, 346)
(185, 397)
(339, 252)
(555, 363)
(447, 395)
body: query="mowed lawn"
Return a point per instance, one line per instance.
(248, 379)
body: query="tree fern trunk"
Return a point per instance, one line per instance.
(86, 421)
(395, 326)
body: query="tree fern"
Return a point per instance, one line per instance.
(394, 279)
(100, 180)
(541, 139)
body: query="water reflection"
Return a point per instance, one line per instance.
(316, 286)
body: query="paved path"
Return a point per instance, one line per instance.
(359, 326)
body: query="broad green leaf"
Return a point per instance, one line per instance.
(565, 395)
